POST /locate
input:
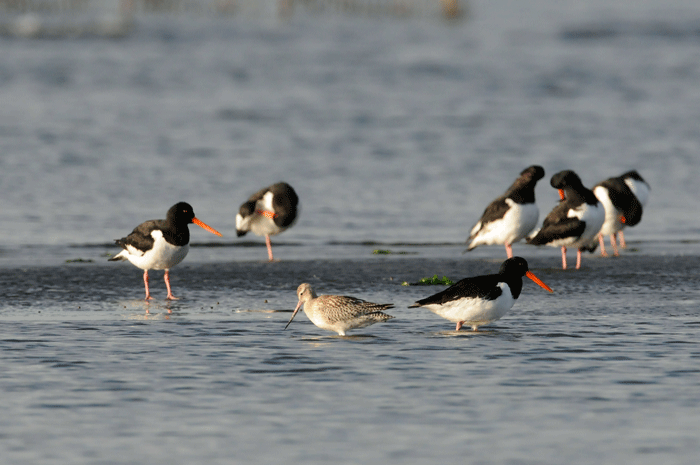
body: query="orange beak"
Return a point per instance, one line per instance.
(205, 226)
(266, 214)
(538, 281)
(296, 310)
(622, 219)
(562, 196)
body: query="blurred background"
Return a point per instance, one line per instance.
(397, 121)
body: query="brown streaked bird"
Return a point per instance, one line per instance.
(338, 313)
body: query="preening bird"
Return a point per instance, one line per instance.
(510, 217)
(269, 211)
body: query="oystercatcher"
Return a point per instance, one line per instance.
(337, 312)
(574, 221)
(268, 212)
(622, 207)
(510, 217)
(640, 189)
(482, 299)
(160, 244)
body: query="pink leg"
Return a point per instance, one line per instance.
(167, 285)
(459, 325)
(623, 244)
(578, 259)
(509, 250)
(269, 247)
(613, 242)
(563, 258)
(601, 240)
(145, 281)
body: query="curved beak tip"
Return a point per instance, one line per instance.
(296, 310)
(290, 320)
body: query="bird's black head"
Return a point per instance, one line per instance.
(516, 266)
(513, 269)
(564, 179)
(181, 212)
(535, 172)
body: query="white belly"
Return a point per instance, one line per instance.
(517, 223)
(593, 216)
(257, 223)
(161, 257)
(611, 223)
(475, 311)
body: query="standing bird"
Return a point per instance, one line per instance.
(640, 189)
(268, 212)
(337, 312)
(160, 244)
(575, 221)
(482, 299)
(511, 216)
(622, 207)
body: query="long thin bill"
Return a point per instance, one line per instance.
(296, 310)
(538, 281)
(205, 226)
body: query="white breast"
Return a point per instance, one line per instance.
(594, 216)
(259, 224)
(611, 223)
(518, 221)
(162, 256)
(475, 310)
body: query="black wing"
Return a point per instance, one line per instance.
(485, 287)
(624, 200)
(140, 237)
(558, 225)
(285, 202)
(494, 211)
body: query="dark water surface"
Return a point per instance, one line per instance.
(605, 370)
(396, 133)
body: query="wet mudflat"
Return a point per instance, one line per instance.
(604, 369)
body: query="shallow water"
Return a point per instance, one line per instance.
(396, 134)
(604, 370)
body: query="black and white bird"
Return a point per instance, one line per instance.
(510, 217)
(268, 212)
(622, 207)
(575, 221)
(160, 244)
(481, 300)
(640, 189)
